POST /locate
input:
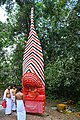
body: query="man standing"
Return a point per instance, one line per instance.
(8, 97)
(13, 101)
(21, 113)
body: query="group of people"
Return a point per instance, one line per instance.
(15, 102)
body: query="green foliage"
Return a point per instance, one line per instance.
(62, 78)
(2, 2)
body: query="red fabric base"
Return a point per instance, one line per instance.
(34, 107)
(40, 98)
(34, 93)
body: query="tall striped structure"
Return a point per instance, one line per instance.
(33, 70)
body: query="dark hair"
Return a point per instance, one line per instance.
(19, 89)
(8, 85)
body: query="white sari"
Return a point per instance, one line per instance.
(8, 102)
(21, 113)
(13, 103)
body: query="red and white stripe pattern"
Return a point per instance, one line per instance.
(33, 58)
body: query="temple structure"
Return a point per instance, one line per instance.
(33, 80)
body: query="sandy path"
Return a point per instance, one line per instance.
(49, 114)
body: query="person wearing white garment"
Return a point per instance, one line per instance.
(13, 101)
(21, 113)
(8, 97)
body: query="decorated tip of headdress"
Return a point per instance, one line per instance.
(32, 18)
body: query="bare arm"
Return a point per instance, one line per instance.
(15, 99)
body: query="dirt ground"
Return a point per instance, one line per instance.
(49, 114)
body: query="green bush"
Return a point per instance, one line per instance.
(61, 79)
